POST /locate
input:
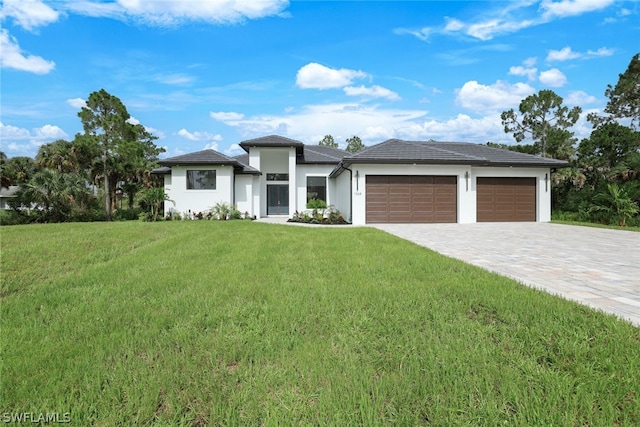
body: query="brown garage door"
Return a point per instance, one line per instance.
(407, 199)
(506, 199)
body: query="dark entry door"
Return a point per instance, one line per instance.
(277, 200)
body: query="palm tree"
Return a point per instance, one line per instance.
(617, 202)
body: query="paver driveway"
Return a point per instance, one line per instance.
(597, 267)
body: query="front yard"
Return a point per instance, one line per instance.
(238, 323)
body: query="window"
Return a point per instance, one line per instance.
(316, 188)
(277, 177)
(201, 180)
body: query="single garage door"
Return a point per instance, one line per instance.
(411, 198)
(506, 199)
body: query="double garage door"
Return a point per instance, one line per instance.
(433, 199)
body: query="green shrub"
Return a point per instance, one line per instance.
(316, 204)
(11, 217)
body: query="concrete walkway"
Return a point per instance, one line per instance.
(594, 266)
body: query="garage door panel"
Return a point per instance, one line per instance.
(506, 199)
(411, 198)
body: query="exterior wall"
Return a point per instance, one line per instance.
(342, 194)
(198, 200)
(466, 197)
(244, 194)
(304, 171)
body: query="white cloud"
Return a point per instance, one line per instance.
(530, 62)
(553, 78)
(8, 132)
(211, 146)
(509, 17)
(453, 24)
(234, 149)
(461, 128)
(566, 54)
(317, 76)
(174, 79)
(22, 142)
(524, 71)
(13, 57)
(174, 12)
(226, 116)
(496, 97)
(563, 54)
(422, 34)
(49, 132)
(579, 98)
(199, 136)
(488, 29)
(566, 8)
(77, 102)
(603, 51)
(29, 14)
(374, 91)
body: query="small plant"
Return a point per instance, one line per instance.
(221, 211)
(616, 203)
(316, 204)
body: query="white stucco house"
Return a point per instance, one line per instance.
(393, 181)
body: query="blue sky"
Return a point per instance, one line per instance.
(211, 73)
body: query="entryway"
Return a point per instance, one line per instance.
(277, 199)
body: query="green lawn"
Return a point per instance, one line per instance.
(238, 323)
(596, 225)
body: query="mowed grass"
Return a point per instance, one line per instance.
(239, 323)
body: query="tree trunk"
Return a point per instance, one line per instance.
(107, 191)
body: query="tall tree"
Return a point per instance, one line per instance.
(542, 117)
(624, 98)
(120, 143)
(354, 144)
(328, 141)
(105, 119)
(612, 152)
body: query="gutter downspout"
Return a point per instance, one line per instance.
(350, 192)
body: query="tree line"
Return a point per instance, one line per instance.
(69, 180)
(602, 183)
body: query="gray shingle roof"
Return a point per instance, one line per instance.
(203, 157)
(426, 152)
(164, 170)
(270, 141)
(321, 154)
(207, 157)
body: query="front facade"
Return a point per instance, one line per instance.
(394, 181)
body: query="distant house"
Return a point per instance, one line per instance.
(7, 194)
(393, 181)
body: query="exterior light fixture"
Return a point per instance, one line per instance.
(546, 182)
(357, 180)
(466, 175)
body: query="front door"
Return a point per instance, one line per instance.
(277, 200)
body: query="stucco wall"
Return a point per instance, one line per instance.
(244, 194)
(198, 200)
(466, 194)
(304, 171)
